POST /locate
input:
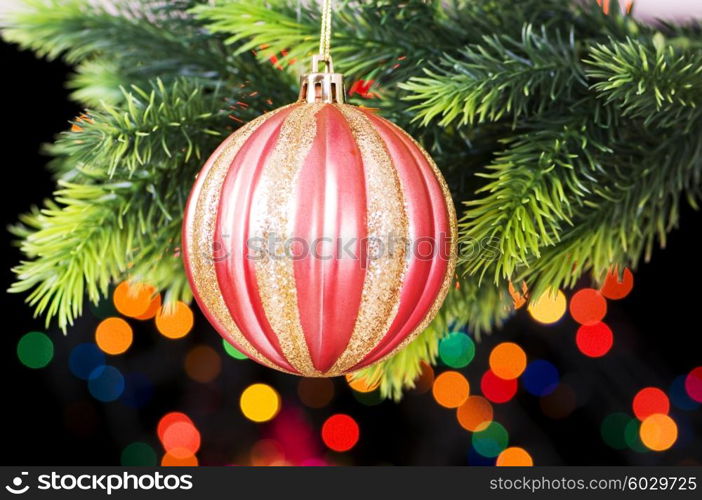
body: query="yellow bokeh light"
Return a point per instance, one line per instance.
(113, 335)
(658, 432)
(507, 360)
(174, 321)
(259, 402)
(548, 308)
(514, 456)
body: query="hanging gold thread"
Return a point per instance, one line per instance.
(325, 35)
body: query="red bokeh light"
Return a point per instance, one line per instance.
(650, 400)
(594, 340)
(340, 432)
(614, 288)
(169, 419)
(693, 384)
(588, 306)
(496, 389)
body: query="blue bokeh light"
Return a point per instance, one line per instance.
(106, 383)
(540, 377)
(84, 359)
(138, 390)
(679, 396)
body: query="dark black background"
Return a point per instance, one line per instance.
(48, 417)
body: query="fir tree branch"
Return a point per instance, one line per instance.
(632, 208)
(124, 46)
(121, 212)
(78, 30)
(650, 80)
(500, 77)
(371, 39)
(534, 186)
(140, 134)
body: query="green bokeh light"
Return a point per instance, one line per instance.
(491, 441)
(456, 350)
(613, 430)
(105, 308)
(631, 435)
(368, 398)
(35, 350)
(140, 454)
(232, 351)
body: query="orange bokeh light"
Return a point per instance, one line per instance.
(153, 308)
(133, 299)
(650, 400)
(588, 306)
(451, 389)
(514, 456)
(203, 364)
(615, 288)
(179, 458)
(176, 321)
(362, 384)
(113, 335)
(658, 432)
(266, 452)
(508, 360)
(181, 439)
(315, 392)
(425, 380)
(475, 414)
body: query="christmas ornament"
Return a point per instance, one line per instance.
(319, 238)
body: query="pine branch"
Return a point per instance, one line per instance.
(121, 46)
(78, 30)
(632, 209)
(535, 185)
(497, 78)
(651, 80)
(371, 39)
(140, 133)
(122, 211)
(97, 81)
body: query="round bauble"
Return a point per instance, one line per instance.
(319, 238)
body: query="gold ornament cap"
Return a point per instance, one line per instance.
(325, 87)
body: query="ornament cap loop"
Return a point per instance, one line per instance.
(317, 58)
(322, 87)
(325, 87)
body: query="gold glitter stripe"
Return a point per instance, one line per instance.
(271, 209)
(200, 238)
(451, 268)
(387, 215)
